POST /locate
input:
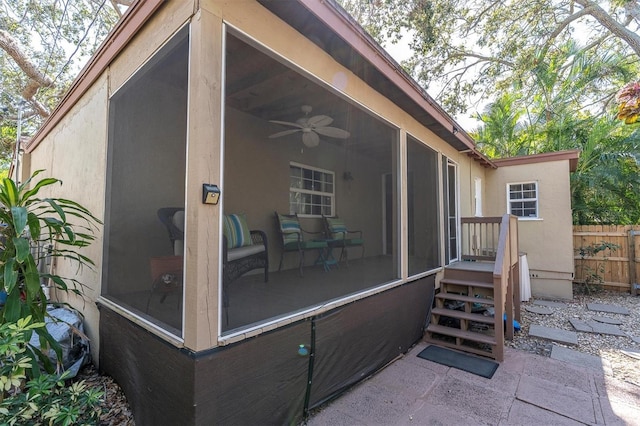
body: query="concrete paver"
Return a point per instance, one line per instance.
(580, 358)
(602, 307)
(633, 353)
(527, 389)
(555, 334)
(596, 327)
(523, 413)
(541, 310)
(557, 398)
(607, 320)
(549, 303)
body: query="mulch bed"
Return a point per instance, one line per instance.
(115, 408)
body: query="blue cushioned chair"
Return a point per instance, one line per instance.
(292, 239)
(339, 236)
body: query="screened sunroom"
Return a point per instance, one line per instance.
(292, 147)
(279, 199)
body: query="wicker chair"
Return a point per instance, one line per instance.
(237, 259)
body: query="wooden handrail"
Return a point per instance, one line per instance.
(505, 278)
(503, 240)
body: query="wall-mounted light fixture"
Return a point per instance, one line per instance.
(455, 130)
(210, 193)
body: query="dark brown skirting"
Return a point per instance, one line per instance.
(262, 380)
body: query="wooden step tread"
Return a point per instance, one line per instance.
(453, 313)
(466, 283)
(463, 298)
(467, 335)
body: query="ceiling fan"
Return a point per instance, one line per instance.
(311, 128)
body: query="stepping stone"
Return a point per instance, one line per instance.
(631, 352)
(555, 334)
(596, 327)
(538, 310)
(613, 309)
(550, 304)
(635, 338)
(608, 320)
(579, 358)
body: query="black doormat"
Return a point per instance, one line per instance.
(472, 364)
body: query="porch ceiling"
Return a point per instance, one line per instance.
(423, 108)
(259, 85)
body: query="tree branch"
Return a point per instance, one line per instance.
(11, 46)
(482, 58)
(631, 38)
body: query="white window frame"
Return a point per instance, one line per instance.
(455, 217)
(331, 195)
(536, 199)
(478, 196)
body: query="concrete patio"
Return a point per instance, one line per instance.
(527, 389)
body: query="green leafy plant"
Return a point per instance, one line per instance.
(33, 229)
(592, 277)
(44, 399)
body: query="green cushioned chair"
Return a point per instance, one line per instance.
(292, 238)
(339, 236)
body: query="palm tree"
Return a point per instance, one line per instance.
(501, 133)
(560, 113)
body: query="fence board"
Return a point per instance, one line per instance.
(618, 269)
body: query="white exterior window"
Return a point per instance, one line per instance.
(478, 197)
(522, 199)
(311, 191)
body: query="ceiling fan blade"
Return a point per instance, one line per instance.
(310, 139)
(284, 133)
(333, 132)
(286, 123)
(319, 120)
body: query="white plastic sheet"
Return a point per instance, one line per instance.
(525, 281)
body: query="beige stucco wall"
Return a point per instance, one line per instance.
(75, 150)
(548, 240)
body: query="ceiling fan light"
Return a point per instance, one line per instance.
(310, 139)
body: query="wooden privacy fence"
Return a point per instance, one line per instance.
(618, 269)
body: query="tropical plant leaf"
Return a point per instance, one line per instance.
(9, 193)
(12, 308)
(22, 248)
(57, 208)
(34, 226)
(42, 183)
(10, 275)
(19, 215)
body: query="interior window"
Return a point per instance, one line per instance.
(146, 177)
(317, 176)
(311, 191)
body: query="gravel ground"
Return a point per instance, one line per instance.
(117, 411)
(605, 346)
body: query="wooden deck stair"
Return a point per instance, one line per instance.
(457, 320)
